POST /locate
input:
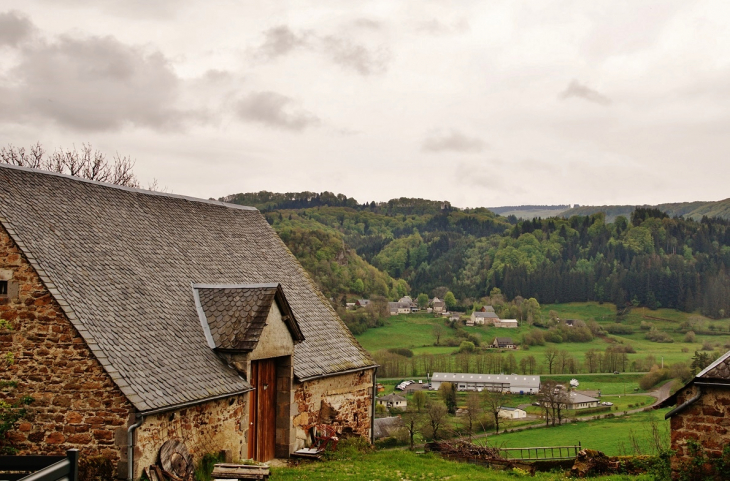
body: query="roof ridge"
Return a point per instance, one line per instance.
(129, 189)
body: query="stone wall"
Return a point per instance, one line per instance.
(706, 421)
(344, 401)
(210, 427)
(77, 405)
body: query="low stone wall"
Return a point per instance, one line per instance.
(344, 401)
(210, 427)
(76, 404)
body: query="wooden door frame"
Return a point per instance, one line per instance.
(282, 408)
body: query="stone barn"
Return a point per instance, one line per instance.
(702, 413)
(137, 317)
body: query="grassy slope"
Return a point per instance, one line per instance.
(611, 436)
(415, 331)
(398, 465)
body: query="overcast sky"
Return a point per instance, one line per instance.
(480, 103)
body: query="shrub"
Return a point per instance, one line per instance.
(466, 346)
(203, 470)
(402, 351)
(656, 335)
(619, 329)
(689, 337)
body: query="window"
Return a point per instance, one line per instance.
(3, 288)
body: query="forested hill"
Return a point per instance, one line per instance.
(693, 210)
(416, 246)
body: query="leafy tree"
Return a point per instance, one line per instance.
(448, 394)
(418, 401)
(422, 301)
(438, 332)
(450, 300)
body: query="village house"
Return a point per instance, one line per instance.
(701, 414)
(515, 384)
(438, 305)
(393, 401)
(362, 302)
(387, 427)
(503, 343)
(140, 317)
(405, 305)
(479, 318)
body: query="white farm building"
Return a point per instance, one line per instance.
(515, 383)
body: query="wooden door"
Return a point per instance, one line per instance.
(262, 410)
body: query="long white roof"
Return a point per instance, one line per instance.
(519, 380)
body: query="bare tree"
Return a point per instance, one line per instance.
(494, 399)
(412, 421)
(86, 163)
(550, 355)
(553, 399)
(436, 419)
(473, 411)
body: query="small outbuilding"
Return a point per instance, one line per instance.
(511, 413)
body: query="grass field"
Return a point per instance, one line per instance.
(398, 465)
(611, 436)
(416, 332)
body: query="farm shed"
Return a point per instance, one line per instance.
(511, 413)
(702, 412)
(516, 384)
(147, 316)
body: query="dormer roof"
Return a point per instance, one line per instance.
(233, 316)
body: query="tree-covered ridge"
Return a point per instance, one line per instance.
(648, 259)
(692, 210)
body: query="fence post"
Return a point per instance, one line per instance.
(73, 458)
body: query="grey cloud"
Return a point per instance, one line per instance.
(274, 110)
(576, 89)
(14, 28)
(96, 83)
(356, 57)
(280, 41)
(453, 141)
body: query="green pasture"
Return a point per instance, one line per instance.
(398, 465)
(611, 436)
(415, 332)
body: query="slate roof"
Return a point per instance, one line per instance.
(391, 398)
(234, 316)
(577, 398)
(384, 427)
(504, 341)
(486, 315)
(720, 369)
(121, 261)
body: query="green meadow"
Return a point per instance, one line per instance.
(399, 465)
(613, 436)
(416, 332)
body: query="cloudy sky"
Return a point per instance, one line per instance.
(480, 103)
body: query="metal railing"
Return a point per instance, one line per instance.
(45, 468)
(545, 453)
